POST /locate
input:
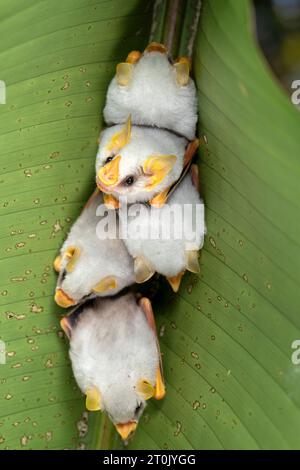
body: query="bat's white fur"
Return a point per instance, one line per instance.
(112, 347)
(144, 143)
(153, 97)
(98, 258)
(168, 257)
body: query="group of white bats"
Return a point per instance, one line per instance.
(144, 155)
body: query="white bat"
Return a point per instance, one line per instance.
(115, 357)
(177, 252)
(154, 91)
(88, 265)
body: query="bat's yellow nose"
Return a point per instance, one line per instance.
(109, 173)
(125, 429)
(62, 299)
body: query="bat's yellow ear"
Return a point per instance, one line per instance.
(157, 167)
(72, 254)
(121, 138)
(106, 284)
(93, 399)
(145, 389)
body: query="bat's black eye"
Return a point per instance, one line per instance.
(109, 159)
(138, 408)
(129, 180)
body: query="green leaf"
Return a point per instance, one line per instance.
(57, 58)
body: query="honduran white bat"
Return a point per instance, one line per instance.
(115, 357)
(159, 98)
(89, 266)
(154, 91)
(167, 239)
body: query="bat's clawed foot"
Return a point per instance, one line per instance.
(133, 57)
(182, 68)
(156, 47)
(124, 73)
(193, 261)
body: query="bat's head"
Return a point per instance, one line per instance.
(155, 91)
(122, 402)
(137, 162)
(114, 360)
